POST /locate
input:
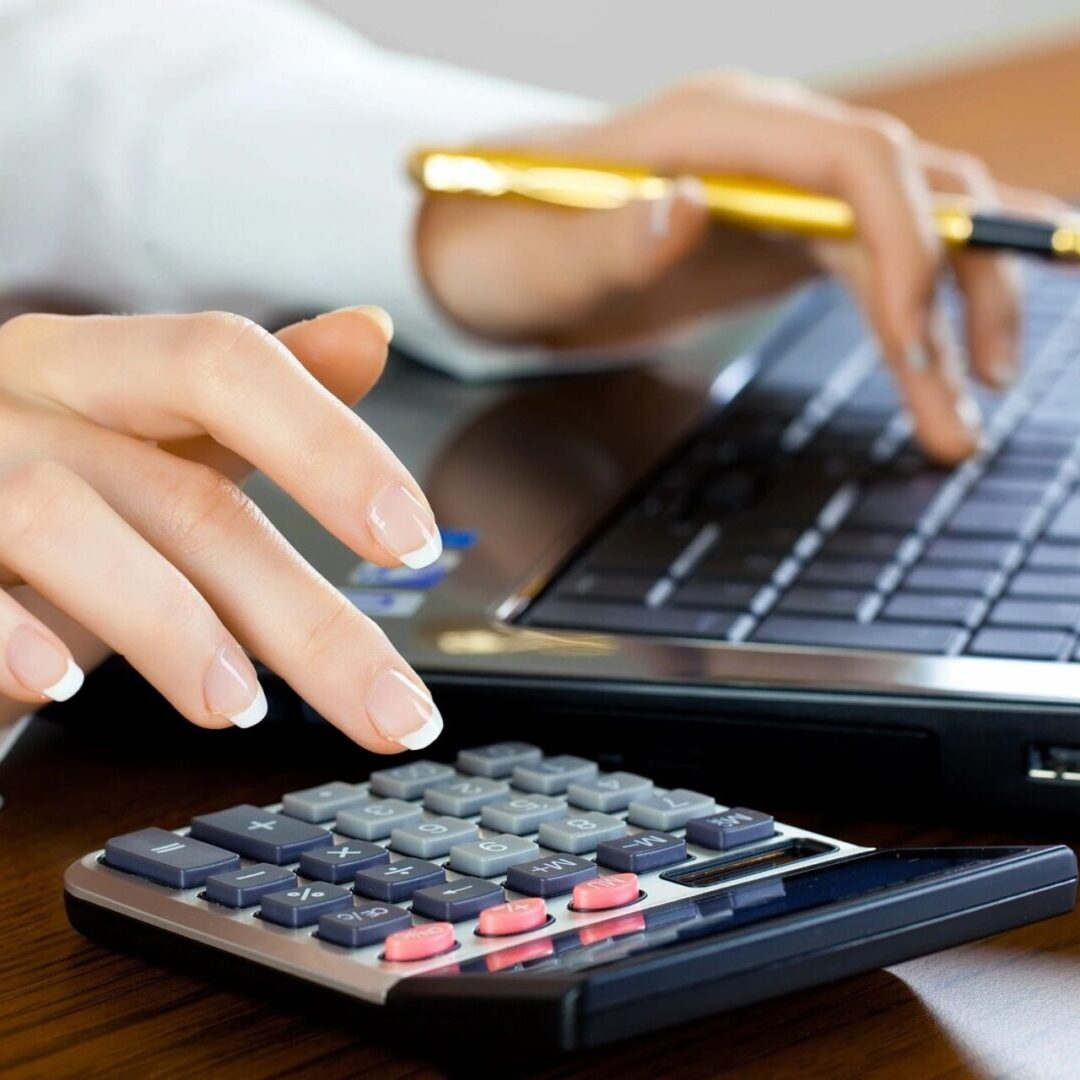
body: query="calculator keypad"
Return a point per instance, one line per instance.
(425, 858)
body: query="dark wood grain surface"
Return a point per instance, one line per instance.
(1007, 1007)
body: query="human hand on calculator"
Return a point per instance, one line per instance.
(519, 271)
(122, 525)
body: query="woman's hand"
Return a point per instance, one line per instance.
(520, 271)
(121, 441)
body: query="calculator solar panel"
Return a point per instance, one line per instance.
(804, 515)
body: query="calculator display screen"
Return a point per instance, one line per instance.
(723, 911)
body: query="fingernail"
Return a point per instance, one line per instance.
(231, 688)
(692, 190)
(917, 357)
(403, 712)
(405, 527)
(41, 665)
(380, 317)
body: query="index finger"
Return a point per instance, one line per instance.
(173, 377)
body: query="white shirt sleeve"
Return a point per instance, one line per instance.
(242, 154)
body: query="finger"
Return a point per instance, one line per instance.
(66, 542)
(345, 350)
(864, 158)
(562, 264)
(172, 377)
(989, 282)
(36, 665)
(336, 659)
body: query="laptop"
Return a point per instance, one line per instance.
(738, 560)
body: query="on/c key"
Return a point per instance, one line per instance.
(419, 942)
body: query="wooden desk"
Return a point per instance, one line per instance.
(1005, 1007)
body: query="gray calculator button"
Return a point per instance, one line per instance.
(324, 803)
(409, 781)
(399, 880)
(521, 814)
(304, 904)
(464, 796)
(553, 775)
(166, 858)
(259, 834)
(340, 862)
(491, 857)
(608, 791)
(670, 810)
(432, 837)
(498, 759)
(247, 886)
(456, 900)
(375, 819)
(367, 923)
(580, 832)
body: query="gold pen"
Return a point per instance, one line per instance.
(758, 204)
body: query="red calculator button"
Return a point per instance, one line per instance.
(419, 942)
(610, 891)
(516, 917)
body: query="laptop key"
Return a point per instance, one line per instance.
(1045, 586)
(970, 580)
(409, 781)
(973, 552)
(884, 636)
(626, 619)
(935, 608)
(1020, 644)
(598, 585)
(1065, 528)
(1043, 614)
(732, 595)
(866, 546)
(856, 574)
(840, 603)
(167, 858)
(1044, 556)
(497, 760)
(992, 519)
(259, 834)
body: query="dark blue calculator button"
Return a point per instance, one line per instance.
(259, 834)
(398, 880)
(340, 862)
(366, 924)
(641, 852)
(247, 886)
(553, 876)
(730, 828)
(167, 858)
(304, 904)
(453, 901)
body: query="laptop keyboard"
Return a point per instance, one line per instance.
(803, 514)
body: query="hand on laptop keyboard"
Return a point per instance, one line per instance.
(524, 271)
(122, 439)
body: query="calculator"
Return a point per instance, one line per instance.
(584, 906)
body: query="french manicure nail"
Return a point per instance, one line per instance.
(231, 688)
(402, 711)
(917, 357)
(380, 317)
(41, 665)
(405, 527)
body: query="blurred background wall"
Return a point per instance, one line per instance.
(617, 49)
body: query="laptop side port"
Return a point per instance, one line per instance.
(1056, 763)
